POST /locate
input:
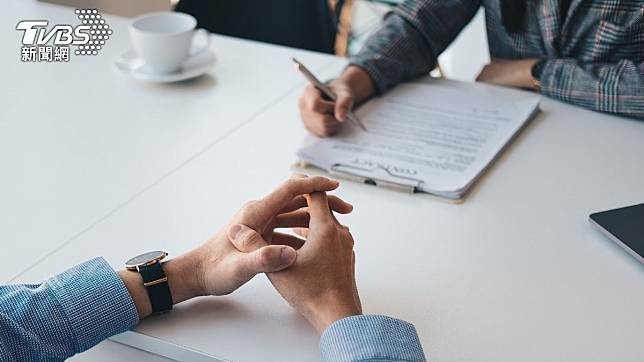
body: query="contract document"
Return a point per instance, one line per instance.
(423, 138)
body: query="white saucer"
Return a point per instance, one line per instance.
(130, 63)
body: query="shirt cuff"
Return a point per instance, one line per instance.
(378, 77)
(555, 77)
(95, 302)
(371, 337)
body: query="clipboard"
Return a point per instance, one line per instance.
(424, 144)
(406, 188)
(377, 176)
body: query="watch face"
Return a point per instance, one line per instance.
(143, 259)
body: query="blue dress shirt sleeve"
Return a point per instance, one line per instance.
(371, 338)
(67, 314)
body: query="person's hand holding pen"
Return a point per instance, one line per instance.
(323, 117)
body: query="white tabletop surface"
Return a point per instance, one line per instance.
(515, 273)
(80, 140)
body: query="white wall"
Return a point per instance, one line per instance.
(468, 53)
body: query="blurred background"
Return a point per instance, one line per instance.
(330, 26)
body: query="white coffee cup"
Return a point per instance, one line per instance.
(164, 40)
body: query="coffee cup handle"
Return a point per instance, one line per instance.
(204, 33)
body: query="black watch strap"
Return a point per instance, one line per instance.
(537, 69)
(156, 283)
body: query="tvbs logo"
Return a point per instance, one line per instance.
(40, 44)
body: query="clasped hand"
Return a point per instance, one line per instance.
(314, 274)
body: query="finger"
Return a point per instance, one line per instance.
(329, 121)
(265, 260)
(335, 203)
(319, 208)
(338, 205)
(328, 126)
(310, 93)
(288, 240)
(312, 100)
(311, 127)
(317, 113)
(335, 219)
(323, 124)
(297, 203)
(319, 105)
(245, 239)
(295, 186)
(320, 130)
(320, 124)
(299, 218)
(348, 237)
(303, 232)
(343, 105)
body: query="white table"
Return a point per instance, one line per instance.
(515, 273)
(80, 140)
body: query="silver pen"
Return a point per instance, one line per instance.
(326, 91)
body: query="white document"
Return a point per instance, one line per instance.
(429, 138)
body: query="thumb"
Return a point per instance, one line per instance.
(267, 259)
(256, 255)
(245, 239)
(343, 105)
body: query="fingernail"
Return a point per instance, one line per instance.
(234, 231)
(287, 255)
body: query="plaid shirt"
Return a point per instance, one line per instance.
(594, 53)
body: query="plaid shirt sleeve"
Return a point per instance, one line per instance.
(606, 87)
(411, 38)
(371, 338)
(67, 314)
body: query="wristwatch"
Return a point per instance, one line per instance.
(154, 279)
(536, 71)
